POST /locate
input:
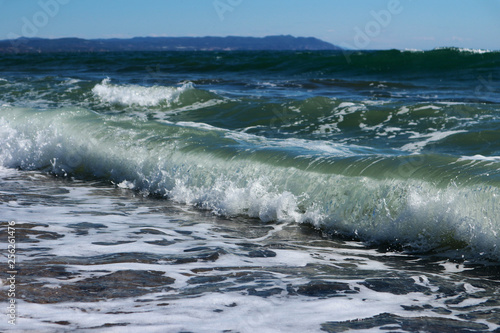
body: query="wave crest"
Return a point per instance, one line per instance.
(201, 167)
(138, 95)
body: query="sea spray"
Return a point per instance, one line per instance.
(206, 167)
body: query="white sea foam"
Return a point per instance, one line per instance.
(138, 95)
(313, 146)
(403, 110)
(451, 103)
(350, 107)
(228, 199)
(138, 222)
(426, 107)
(413, 212)
(429, 138)
(480, 158)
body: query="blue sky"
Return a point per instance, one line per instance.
(354, 24)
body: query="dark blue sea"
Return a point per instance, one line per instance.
(252, 191)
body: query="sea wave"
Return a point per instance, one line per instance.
(139, 95)
(422, 202)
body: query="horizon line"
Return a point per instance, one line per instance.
(485, 50)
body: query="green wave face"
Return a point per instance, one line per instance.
(412, 199)
(384, 146)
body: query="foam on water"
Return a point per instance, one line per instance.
(88, 234)
(138, 95)
(188, 165)
(480, 158)
(274, 196)
(429, 138)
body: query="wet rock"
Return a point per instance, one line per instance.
(418, 324)
(126, 283)
(113, 258)
(112, 243)
(213, 256)
(50, 271)
(87, 225)
(205, 253)
(184, 232)
(412, 308)
(264, 293)
(82, 229)
(49, 235)
(442, 311)
(25, 233)
(416, 307)
(450, 289)
(110, 325)
(262, 253)
(323, 288)
(491, 315)
(205, 279)
(290, 290)
(396, 286)
(162, 242)
(245, 278)
(198, 249)
(181, 261)
(248, 245)
(150, 231)
(199, 289)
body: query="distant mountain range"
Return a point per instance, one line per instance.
(232, 43)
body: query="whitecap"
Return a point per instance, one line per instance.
(138, 95)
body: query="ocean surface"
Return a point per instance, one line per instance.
(252, 191)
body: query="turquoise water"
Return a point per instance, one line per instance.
(389, 151)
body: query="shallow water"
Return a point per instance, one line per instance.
(94, 256)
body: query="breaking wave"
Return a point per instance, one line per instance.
(417, 201)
